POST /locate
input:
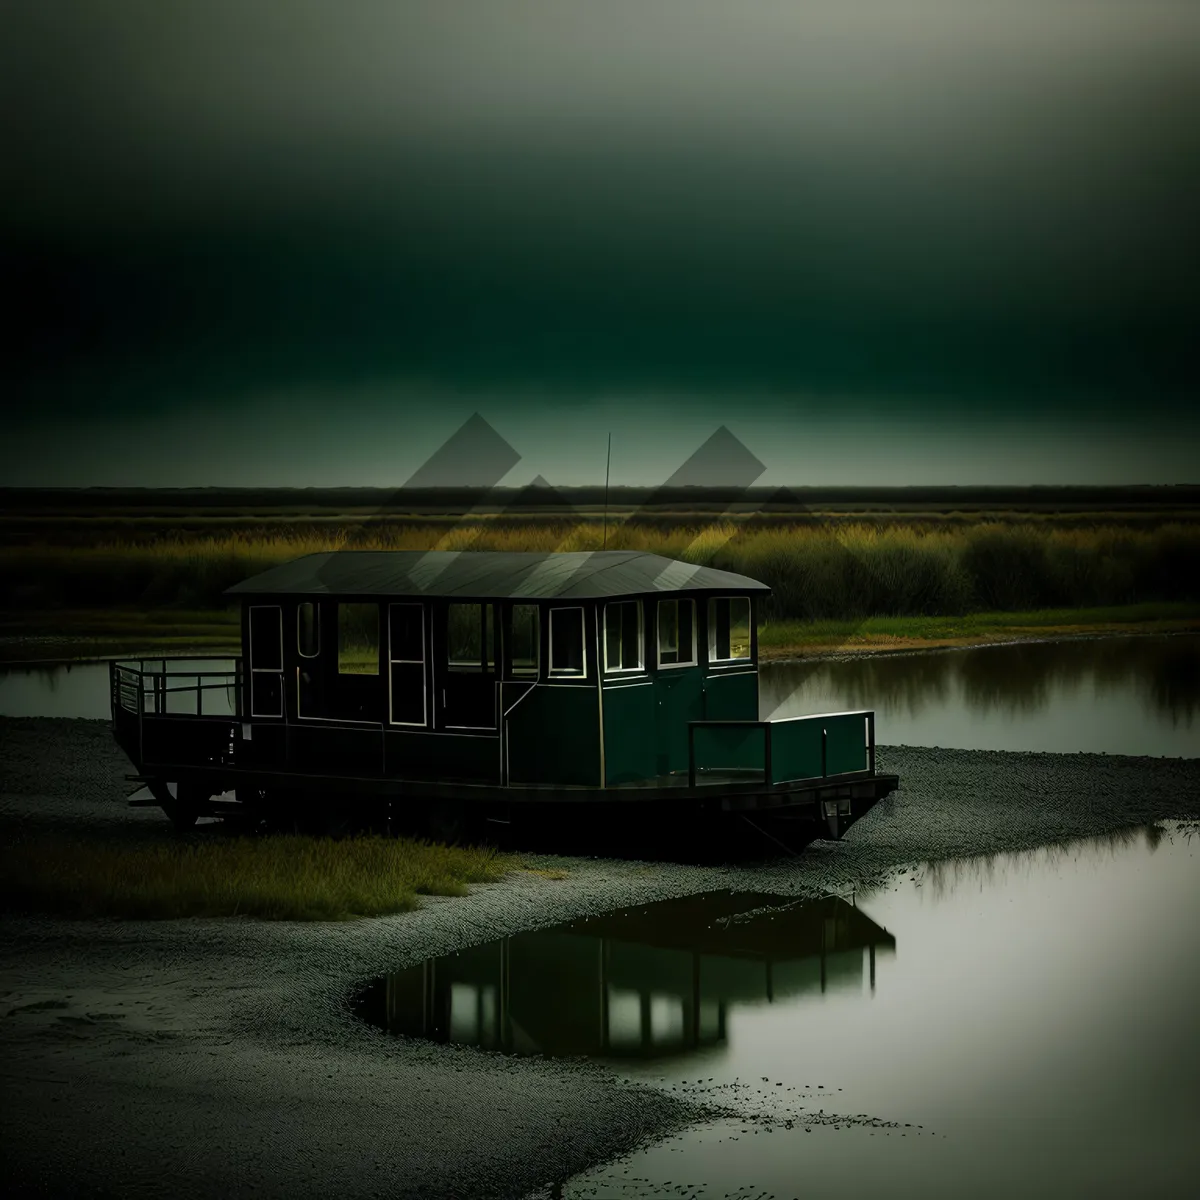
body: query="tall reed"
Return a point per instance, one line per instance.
(814, 570)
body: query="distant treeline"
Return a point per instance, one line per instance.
(624, 499)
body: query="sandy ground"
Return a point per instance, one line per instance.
(204, 1058)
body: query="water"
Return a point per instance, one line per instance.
(1125, 695)
(657, 982)
(82, 689)
(1121, 695)
(1016, 1025)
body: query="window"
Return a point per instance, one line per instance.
(729, 629)
(358, 639)
(406, 664)
(308, 630)
(566, 642)
(266, 660)
(524, 641)
(676, 633)
(266, 641)
(623, 636)
(470, 637)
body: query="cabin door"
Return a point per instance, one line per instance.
(466, 655)
(679, 699)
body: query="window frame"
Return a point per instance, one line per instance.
(316, 627)
(252, 657)
(554, 672)
(641, 638)
(695, 658)
(729, 662)
(524, 672)
(392, 661)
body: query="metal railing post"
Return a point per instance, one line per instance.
(768, 776)
(824, 752)
(691, 755)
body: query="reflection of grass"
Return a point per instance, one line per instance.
(278, 877)
(786, 635)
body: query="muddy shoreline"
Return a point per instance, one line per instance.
(221, 1057)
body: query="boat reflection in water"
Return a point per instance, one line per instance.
(640, 983)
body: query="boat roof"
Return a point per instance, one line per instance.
(489, 574)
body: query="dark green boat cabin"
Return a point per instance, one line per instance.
(494, 677)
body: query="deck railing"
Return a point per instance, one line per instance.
(165, 687)
(784, 750)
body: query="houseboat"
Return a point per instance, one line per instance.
(445, 686)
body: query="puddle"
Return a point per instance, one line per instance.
(656, 982)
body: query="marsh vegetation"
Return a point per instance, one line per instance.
(152, 567)
(278, 877)
(815, 572)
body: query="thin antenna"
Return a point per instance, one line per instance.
(607, 466)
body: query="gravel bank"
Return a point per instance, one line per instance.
(220, 1057)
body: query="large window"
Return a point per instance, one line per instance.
(406, 663)
(729, 629)
(308, 630)
(470, 637)
(566, 642)
(524, 640)
(676, 633)
(623, 636)
(358, 639)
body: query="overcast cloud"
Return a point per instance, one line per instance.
(924, 205)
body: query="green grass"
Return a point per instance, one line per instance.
(125, 622)
(817, 570)
(280, 877)
(782, 635)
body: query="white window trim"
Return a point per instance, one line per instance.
(316, 626)
(694, 661)
(568, 672)
(423, 723)
(641, 640)
(278, 608)
(712, 633)
(534, 672)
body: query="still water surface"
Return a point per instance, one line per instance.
(1124, 695)
(1028, 1021)
(1121, 695)
(81, 689)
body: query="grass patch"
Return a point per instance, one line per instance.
(285, 877)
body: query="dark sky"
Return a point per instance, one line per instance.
(254, 242)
